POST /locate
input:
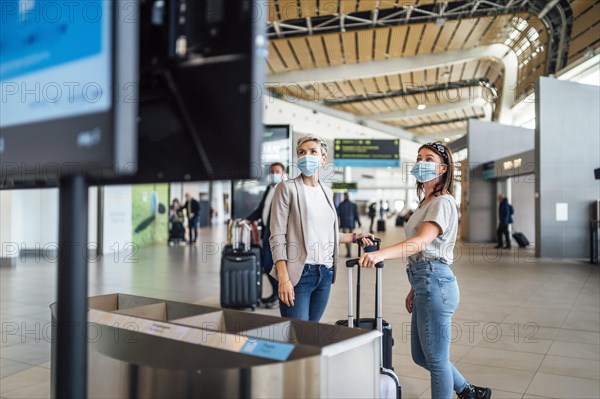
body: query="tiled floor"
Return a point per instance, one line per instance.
(527, 328)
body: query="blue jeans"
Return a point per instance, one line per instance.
(311, 294)
(193, 227)
(436, 299)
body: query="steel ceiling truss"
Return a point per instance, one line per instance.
(443, 122)
(557, 19)
(492, 91)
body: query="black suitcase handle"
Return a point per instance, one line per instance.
(350, 264)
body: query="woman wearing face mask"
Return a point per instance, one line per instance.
(434, 295)
(304, 236)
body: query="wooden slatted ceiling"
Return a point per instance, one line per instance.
(444, 37)
(366, 5)
(365, 45)
(348, 48)
(401, 41)
(362, 46)
(275, 63)
(347, 7)
(585, 34)
(412, 41)
(461, 33)
(397, 39)
(333, 48)
(284, 52)
(308, 7)
(429, 35)
(586, 20)
(480, 69)
(288, 9)
(272, 10)
(318, 51)
(383, 4)
(381, 41)
(300, 47)
(326, 7)
(580, 6)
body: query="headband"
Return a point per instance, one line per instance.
(440, 149)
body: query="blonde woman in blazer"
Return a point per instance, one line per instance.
(305, 237)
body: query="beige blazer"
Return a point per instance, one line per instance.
(288, 227)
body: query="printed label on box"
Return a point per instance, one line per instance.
(268, 349)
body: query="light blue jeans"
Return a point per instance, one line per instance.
(436, 299)
(311, 294)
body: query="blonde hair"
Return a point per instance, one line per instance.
(316, 139)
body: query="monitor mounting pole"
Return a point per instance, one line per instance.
(70, 369)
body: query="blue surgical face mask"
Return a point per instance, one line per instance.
(309, 164)
(425, 171)
(275, 178)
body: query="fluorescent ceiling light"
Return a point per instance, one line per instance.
(421, 107)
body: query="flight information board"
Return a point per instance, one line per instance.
(366, 153)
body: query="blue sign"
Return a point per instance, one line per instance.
(267, 349)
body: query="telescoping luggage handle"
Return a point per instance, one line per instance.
(378, 291)
(240, 236)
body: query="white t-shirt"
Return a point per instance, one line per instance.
(320, 222)
(442, 211)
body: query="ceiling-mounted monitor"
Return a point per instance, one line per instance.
(202, 67)
(68, 79)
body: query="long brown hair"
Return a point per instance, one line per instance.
(446, 181)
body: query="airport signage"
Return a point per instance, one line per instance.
(366, 153)
(343, 187)
(515, 165)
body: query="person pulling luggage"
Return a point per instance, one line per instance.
(505, 212)
(262, 213)
(434, 295)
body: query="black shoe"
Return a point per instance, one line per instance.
(507, 247)
(498, 246)
(348, 255)
(270, 302)
(473, 392)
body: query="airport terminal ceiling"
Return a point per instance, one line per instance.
(451, 56)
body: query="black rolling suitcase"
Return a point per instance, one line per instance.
(381, 226)
(521, 239)
(389, 384)
(176, 232)
(371, 323)
(241, 273)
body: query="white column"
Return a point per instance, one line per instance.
(347, 174)
(8, 249)
(216, 202)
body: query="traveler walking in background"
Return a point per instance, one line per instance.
(372, 215)
(263, 213)
(305, 237)
(505, 212)
(349, 218)
(434, 296)
(192, 208)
